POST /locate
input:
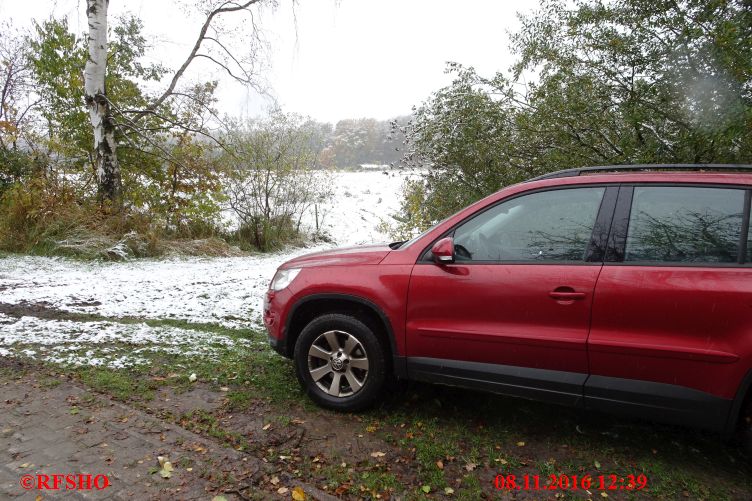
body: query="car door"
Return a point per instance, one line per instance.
(672, 312)
(511, 314)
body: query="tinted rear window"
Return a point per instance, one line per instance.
(685, 225)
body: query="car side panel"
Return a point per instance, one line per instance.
(500, 314)
(685, 326)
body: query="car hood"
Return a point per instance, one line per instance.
(364, 255)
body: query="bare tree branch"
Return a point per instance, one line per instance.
(226, 7)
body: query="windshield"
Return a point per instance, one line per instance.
(407, 244)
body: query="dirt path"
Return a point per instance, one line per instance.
(55, 426)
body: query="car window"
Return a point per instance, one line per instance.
(685, 225)
(545, 226)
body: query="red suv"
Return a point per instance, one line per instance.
(625, 289)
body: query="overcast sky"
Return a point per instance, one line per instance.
(330, 59)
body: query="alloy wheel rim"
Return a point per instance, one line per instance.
(338, 363)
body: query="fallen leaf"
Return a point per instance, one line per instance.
(604, 495)
(192, 378)
(219, 498)
(371, 428)
(440, 464)
(343, 488)
(448, 491)
(274, 480)
(520, 444)
(597, 465)
(426, 489)
(298, 494)
(167, 469)
(378, 454)
(74, 410)
(224, 388)
(267, 426)
(470, 466)
(283, 490)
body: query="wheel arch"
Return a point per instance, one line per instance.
(314, 305)
(743, 397)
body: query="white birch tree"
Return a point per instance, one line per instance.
(208, 46)
(102, 122)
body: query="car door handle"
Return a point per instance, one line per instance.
(568, 295)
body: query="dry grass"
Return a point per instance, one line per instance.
(45, 220)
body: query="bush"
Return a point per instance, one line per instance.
(271, 183)
(15, 167)
(47, 218)
(267, 235)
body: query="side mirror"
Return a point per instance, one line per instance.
(443, 251)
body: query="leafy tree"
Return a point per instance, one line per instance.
(597, 82)
(16, 102)
(57, 59)
(16, 109)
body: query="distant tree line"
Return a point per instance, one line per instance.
(355, 142)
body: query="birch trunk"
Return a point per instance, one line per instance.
(107, 168)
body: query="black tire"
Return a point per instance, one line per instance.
(745, 429)
(369, 347)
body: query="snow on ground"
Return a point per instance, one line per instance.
(360, 202)
(226, 291)
(68, 341)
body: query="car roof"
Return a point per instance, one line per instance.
(656, 177)
(652, 168)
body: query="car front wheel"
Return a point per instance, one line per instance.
(340, 362)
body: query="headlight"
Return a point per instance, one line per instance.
(283, 278)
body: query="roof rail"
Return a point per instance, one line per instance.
(642, 167)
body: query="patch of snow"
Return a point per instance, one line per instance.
(63, 340)
(227, 291)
